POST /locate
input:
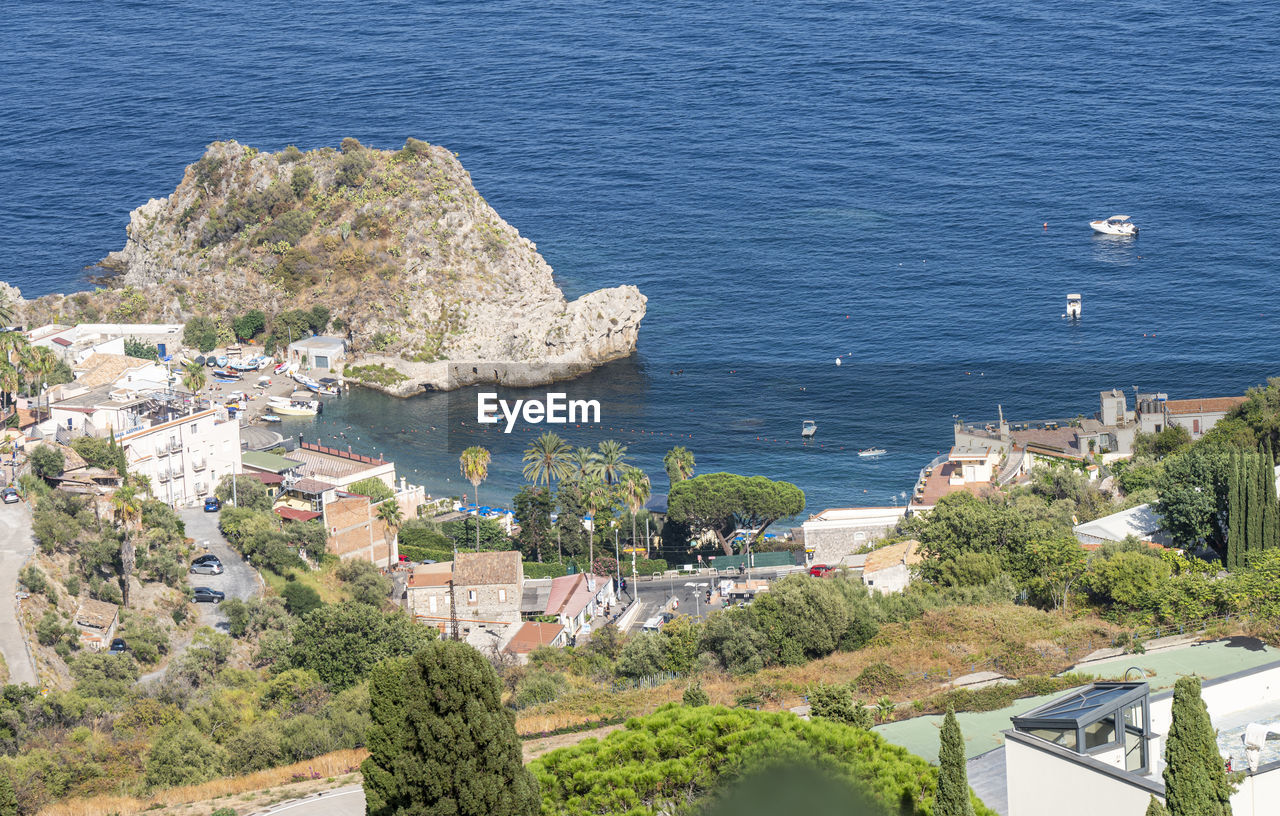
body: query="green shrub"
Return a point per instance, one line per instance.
(879, 678)
(374, 374)
(539, 686)
(200, 333)
(695, 696)
(301, 180)
(33, 579)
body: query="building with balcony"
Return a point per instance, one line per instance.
(185, 456)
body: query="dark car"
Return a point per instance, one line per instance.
(213, 567)
(212, 504)
(206, 595)
(118, 647)
(207, 558)
(10, 496)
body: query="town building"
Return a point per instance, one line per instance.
(888, 569)
(1141, 522)
(97, 621)
(576, 599)
(1100, 749)
(1157, 412)
(836, 534)
(73, 344)
(185, 456)
(534, 635)
(487, 588)
(99, 369)
(319, 355)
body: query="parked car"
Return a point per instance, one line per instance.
(208, 558)
(821, 570)
(207, 567)
(118, 647)
(212, 504)
(10, 496)
(206, 595)
(653, 624)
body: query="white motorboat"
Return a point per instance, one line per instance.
(1115, 225)
(808, 429)
(294, 407)
(872, 452)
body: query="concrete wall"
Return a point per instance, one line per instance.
(835, 533)
(890, 579)
(1206, 420)
(1257, 794)
(1043, 781)
(208, 448)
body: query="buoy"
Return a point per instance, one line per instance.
(837, 361)
(1046, 225)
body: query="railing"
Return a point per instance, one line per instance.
(198, 464)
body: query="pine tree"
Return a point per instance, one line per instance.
(8, 799)
(1194, 777)
(441, 741)
(1156, 809)
(953, 778)
(1234, 516)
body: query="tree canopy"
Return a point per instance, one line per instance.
(720, 503)
(342, 642)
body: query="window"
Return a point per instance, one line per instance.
(471, 596)
(195, 427)
(1102, 732)
(432, 604)
(502, 596)
(1058, 736)
(1195, 426)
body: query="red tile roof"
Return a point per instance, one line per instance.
(570, 595)
(487, 568)
(311, 486)
(532, 635)
(62, 341)
(290, 514)
(1202, 406)
(265, 478)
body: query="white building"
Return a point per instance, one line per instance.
(1141, 522)
(186, 456)
(836, 533)
(973, 463)
(888, 569)
(320, 354)
(1101, 749)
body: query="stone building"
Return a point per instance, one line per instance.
(487, 587)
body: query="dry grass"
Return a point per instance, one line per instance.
(334, 765)
(946, 643)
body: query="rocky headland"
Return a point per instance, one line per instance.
(432, 289)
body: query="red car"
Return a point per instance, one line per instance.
(821, 570)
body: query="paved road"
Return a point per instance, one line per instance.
(340, 802)
(654, 592)
(16, 544)
(238, 580)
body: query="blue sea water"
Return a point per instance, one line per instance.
(788, 183)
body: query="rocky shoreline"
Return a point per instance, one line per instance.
(430, 287)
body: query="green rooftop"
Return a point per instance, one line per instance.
(269, 462)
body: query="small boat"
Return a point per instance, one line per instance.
(282, 368)
(270, 418)
(872, 452)
(308, 382)
(294, 407)
(808, 429)
(1115, 225)
(263, 382)
(226, 374)
(245, 365)
(263, 362)
(222, 360)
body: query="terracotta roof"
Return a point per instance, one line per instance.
(480, 569)
(532, 635)
(906, 552)
(429, 575)
(97, 614)
(1202, 406)
(70, 459)
(290, 514)
(265, 478)
(62, 341)
(570, 595)
(100, 368)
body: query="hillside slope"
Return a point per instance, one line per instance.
(420, 273)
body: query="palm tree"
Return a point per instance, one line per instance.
(10, 382)
(474, 463)
(193, 377)
(596, 496)
(608, 461)
(580, 462)
(635, 492)
(391, 515)
(678, 463)
(547, 459)
(127, 511)
(42, 363)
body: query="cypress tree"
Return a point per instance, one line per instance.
(441, 740)
(1253, 505)
(1195, 780)
(8, 799)
(1156, 809)
(1270, 510)
(953, 777)
(1233, 511)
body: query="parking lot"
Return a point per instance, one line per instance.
(239, 580)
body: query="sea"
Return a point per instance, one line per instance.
(902, 187)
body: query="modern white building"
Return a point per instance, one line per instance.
(185, 456)
(1100, 750)
(319, 353)
(1141, 522)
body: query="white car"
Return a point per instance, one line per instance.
(10, 496)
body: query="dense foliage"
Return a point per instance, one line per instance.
(1195, 781)
(680, 755)
(720, 503)
(441, 742)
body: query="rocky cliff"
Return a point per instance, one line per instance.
(419, 272)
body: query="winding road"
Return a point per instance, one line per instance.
(16, 546)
